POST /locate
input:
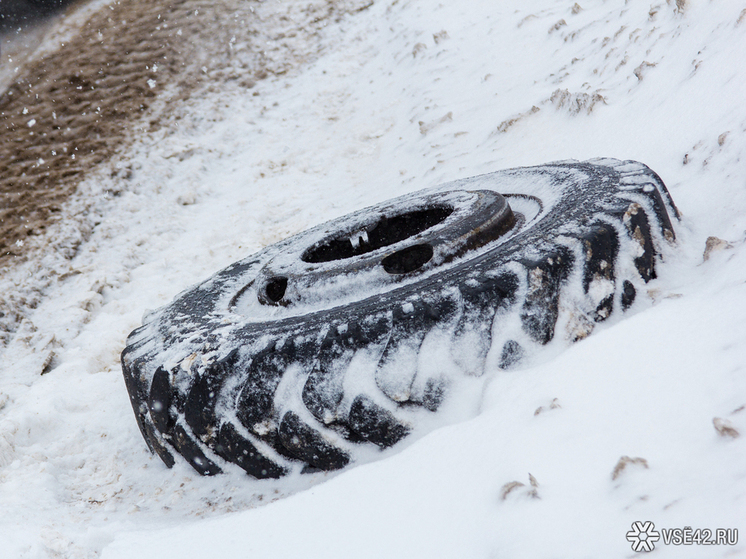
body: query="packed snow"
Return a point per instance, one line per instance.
(644, 420)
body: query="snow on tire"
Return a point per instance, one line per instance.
(302, 355)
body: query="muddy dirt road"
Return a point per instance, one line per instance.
(74, 106)
(103, 74)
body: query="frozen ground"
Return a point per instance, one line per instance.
(396, 97)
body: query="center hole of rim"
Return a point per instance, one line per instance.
(386, 231)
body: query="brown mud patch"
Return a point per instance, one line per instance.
(74, 107)
(107, 73)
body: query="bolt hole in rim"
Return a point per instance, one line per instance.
(275, 288)
(408, 259)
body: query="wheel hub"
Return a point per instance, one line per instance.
(382, 246)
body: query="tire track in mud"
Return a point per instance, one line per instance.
(119, 73)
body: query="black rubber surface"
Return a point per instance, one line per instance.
(339, 367)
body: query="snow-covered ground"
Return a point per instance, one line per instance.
(644, 420)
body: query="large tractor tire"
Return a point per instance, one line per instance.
(303, 354)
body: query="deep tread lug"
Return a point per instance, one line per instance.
(636, 222)
(307, 444)
(199, 408)
(375, 424)
(412, 320)
(160, 400)
(323, 390)
(601, 245)
(233, 447)
(255, 405)
(628, 294)
(411, 323)
(511, 354)
(155, 445)
(482, 297)
(656, 196)
(435, 393)
(193, 454)
(541, 308)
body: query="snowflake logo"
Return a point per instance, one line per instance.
(643, 536)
